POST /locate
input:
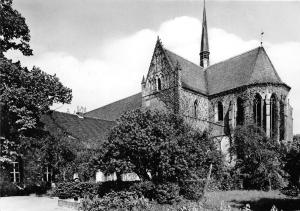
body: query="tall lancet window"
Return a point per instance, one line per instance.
(158, 84)
(257, 110)
(240, 112)
(220, 111)
(273, 116)
(195, 108)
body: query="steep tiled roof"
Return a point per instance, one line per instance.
(248, 68)
(193, 76)
(89, 131)
(252, 67)
(114, 110)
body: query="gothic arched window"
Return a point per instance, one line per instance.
(240, 112)
(195, 108)
(257, 110)
(220, 111)
(273, 116)
(282, 122)
(158, 84)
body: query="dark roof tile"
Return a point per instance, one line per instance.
(114, 110)
(193, 76)
(89, 131)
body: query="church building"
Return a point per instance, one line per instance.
(245, 89)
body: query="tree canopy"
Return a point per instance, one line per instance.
(292, 162)
(14, 33)
(161, 145)
(25, 95)
(258, 158)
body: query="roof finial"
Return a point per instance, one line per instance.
(261, 38)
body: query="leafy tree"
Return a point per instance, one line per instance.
(258, 158)
(25, 95)
(145, 141)
(292, 162)
(14, 33)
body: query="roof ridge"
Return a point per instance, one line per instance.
(255, 62)
(112, 103)
(85, 117)
(234, 57)
(272, 65)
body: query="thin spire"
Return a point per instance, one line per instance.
(204, 38)
(204, 49)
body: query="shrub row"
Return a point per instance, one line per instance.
(122, 200)
(80, 189)
(164, 193)
(11, 189)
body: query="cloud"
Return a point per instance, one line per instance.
(116, 70)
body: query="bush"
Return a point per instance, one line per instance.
(116, 186)
(292, 191)
(122, 200)
(38, 189)
(230, 180)
(167, 193)
(75, 189)
(10, 189)
(192, 190)
(80, 189)
(145, 189)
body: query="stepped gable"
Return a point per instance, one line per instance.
(89, 131)
(252, 67)
(114, 110)
(193, 76)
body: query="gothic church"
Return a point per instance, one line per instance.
(217, 97)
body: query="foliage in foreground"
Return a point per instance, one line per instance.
(258, 158)
(292, 167)
(158, 147)
(123, 200)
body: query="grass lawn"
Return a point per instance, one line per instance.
(258, 200)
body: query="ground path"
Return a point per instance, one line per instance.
(30, 203)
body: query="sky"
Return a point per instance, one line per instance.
(102, 48)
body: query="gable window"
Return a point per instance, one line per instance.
(158, 84)
(220, 111)
(15, 172)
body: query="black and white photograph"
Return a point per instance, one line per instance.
(149, 105)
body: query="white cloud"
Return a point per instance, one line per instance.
(117, 70)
